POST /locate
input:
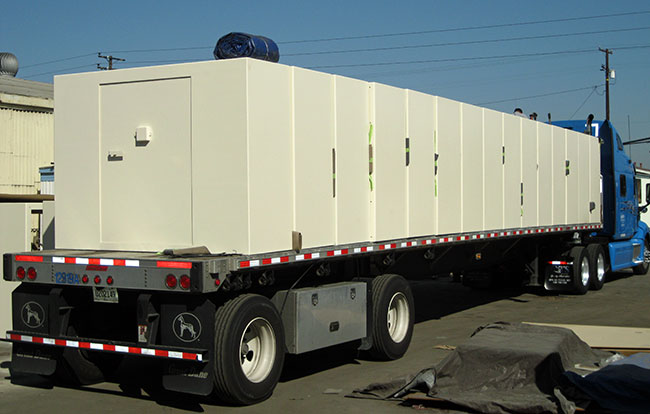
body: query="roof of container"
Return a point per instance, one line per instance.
(16, 86)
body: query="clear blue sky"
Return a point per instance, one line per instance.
(43, 31)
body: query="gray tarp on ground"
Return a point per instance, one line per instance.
(503, 368)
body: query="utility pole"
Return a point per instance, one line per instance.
(109, 59)
(605, 68)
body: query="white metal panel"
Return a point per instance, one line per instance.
(312, 157)
(493, 169)
(512, 208)
(420, 171)
(449, 178)
(77, 149)
(529, 168)
(352, 183)
(573, 179)
(583, 179)
(594, 180)
(269, 156)
(559, 175)
(472, 162)
(220, 156)
(389, 146)
(146, 190)
(545, 174)
(26, 143)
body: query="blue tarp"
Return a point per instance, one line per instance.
(234, 45)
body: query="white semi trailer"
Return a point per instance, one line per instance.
(217, 215)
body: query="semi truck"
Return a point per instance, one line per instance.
(212, 217)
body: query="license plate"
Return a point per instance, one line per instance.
(106, 295)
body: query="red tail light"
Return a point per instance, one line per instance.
(84, 279)
(185, 282)
(97, 280)
(171, 281)
(20, 273)
(109, 280)
(31, 273)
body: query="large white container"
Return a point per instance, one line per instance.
(241, 155)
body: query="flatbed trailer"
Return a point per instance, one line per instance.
(320, 228)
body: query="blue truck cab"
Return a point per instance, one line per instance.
(624, 234)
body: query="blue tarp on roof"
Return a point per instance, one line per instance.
(234, 45)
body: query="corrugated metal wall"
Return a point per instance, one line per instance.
(26, 143)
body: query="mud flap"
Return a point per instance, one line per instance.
(188, 377)
(34, 359)
(188, 324)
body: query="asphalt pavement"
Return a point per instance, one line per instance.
(446, 314)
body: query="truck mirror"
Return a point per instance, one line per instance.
(647, 193)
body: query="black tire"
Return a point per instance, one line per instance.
(391, 335)
(597, 266)
(247, 315)
(581, 273)
(74, 366)
(642, 269)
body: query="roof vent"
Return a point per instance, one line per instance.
(8, 64)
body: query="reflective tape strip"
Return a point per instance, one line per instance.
(406, 244)
(24, 258)
(97, 346)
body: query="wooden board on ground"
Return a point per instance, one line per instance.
(614, 338)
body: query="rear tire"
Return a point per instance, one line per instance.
(249, 350)
(597, 266)
(642, 269)
(581, 273)
(393, 315)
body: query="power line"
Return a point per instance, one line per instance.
(58, 71)
(584, 102)
(461, 59)
(410, 62)
(467, 42)
(539, 96)
(57, 60)
(456, 29)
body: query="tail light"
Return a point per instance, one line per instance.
(31, 273)
(20, 273)
(84, 279)
(109, 280)
(97, 280)
(171, 281)
(185, 282)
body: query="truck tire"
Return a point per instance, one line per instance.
(249, 350)
(581, 273)
(597, 266)
(393, 315)
(642, 269)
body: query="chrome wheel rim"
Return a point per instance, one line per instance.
(398, 317)
(600, 268)
(584, 271)
(257, 350)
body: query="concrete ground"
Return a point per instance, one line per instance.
(447, 313)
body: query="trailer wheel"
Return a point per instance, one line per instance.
(393, 314)
(642, 269)
(249, 350)
(581, 273)
(597, 266)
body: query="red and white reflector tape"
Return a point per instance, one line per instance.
(96, 346)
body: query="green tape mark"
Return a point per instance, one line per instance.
(370, 134)
(371, 183)
(408, 150)
(435, 187)
(334, 176)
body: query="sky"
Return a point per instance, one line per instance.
(540, 56)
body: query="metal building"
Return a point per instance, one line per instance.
(26, 133)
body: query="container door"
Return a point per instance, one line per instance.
(145, 165)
